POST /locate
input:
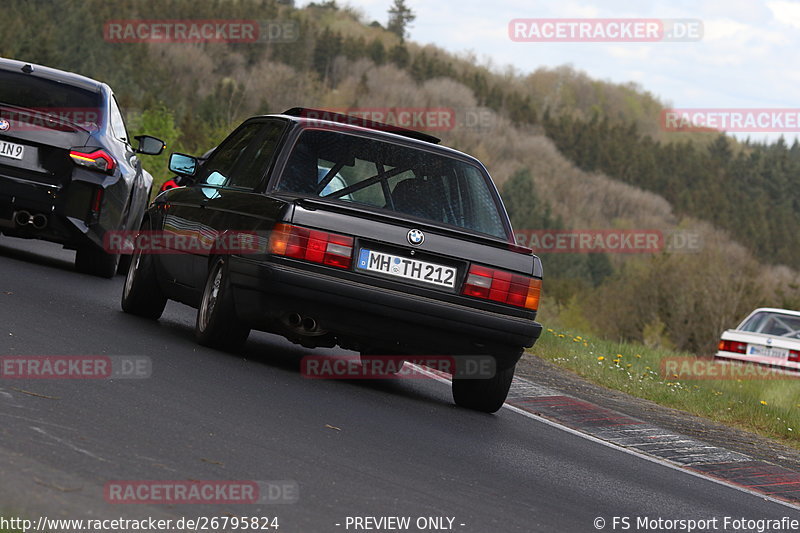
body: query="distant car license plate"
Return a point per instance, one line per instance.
(764, 351)
(14, 151)
(403, 267)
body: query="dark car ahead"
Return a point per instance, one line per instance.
(380, 242)
(68, 173)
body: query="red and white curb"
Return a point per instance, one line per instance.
(648, 441)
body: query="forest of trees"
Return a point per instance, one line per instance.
(567, 151)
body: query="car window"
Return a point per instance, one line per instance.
(117, 123)
(219, 167)
(66, 101)
(251, 170)
(776, 324)
(392, 177)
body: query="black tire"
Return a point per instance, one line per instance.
(141, 294)
(217, 325)
(124, 266)
(485, 395)
(96, 262)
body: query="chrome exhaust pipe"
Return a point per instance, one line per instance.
(295, 320)
(39, 221)
(22, 218)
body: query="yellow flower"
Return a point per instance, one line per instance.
(585, 343)
(561, 335)
(763, 402)
(550, 330)
(638, 356)
(629, 365)
(619, 355)
(601, 358)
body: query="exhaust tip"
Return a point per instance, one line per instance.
(22, 218)
(39, 221)
(309, 324)
(295, 320)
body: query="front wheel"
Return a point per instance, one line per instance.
(217, 325)
(141, 294)
(487, 394)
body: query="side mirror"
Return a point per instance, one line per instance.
(149, 145)
(182, 164)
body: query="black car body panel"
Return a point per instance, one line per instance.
(364, 311)
(46, 181)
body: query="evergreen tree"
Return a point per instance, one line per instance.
(400, 16)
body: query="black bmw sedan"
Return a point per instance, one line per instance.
(68, 170)
(365, 236)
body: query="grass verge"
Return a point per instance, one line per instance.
(769, 407)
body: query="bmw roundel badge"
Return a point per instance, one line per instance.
(4, 124)
(415, 237)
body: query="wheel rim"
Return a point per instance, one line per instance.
(210, 296)
(137, 259)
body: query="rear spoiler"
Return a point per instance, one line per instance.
(321, 114)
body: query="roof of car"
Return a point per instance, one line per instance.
(776, 310)
(54, 74)
(333, 117)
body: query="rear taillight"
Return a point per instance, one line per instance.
(312, 245)
(732, 346)
(794, 355)
(94, 158)
(504, 287)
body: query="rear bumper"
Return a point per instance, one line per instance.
(65, 207)
(362, 316)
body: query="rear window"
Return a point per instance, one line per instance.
(348, 168)
(776, 324)
(68, 102)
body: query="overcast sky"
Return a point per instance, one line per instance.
(747, 58)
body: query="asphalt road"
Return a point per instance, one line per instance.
(355, 448)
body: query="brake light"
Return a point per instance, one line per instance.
(312, 245)
(504, 287)
(794, 355)
(94, 158)
(732, 346)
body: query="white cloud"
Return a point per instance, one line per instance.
(787, 13)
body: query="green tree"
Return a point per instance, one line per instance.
(400, 16)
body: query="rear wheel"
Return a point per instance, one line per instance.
(217, 325)
(141, 295)
(486, 395)
(96, 262)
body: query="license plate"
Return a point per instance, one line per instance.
(763, 351)
(403, 267)
(14, 151)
